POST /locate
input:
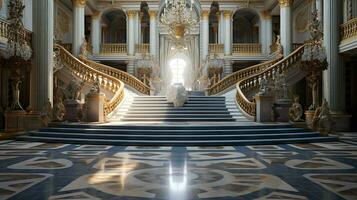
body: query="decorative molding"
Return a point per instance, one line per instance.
(205, 13)
(286, 3)
(79, 3)
(152, 14)
(131, 13)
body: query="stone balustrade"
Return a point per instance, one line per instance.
(216, 48)
(23, 33)
(113, 48)
(247, 48)
(142, 48)
(349, 29)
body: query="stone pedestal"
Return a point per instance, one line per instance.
(73, 110)
(16, 121)
(281, 110)
(95, 107)
(309, 116)
(264, 108)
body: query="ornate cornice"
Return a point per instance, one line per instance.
(131, 13)
(286, 3)
(266, 14)
(79, 3)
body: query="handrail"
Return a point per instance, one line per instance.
(233, 78)
(122, 76)
(216, 48)
(247, 48)
(349, 29)
(90, 75)
(252, 82)
(4, 31)
(113, 48)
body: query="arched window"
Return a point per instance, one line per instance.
(177, 67)
(246, 26)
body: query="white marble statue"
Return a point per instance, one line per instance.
(296, 111)
(322, 120)
(177, 95)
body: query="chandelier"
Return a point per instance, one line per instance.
(17, 46)
(178, 19)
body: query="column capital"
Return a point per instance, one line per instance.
(286, 3)
(95, 14)
(227, 14)
(131, 13)
(205, 13)
(79, 3)
(152, 14)
(266, 14)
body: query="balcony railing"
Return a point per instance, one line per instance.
(349, 29)
(216, 48)
(297, 45)
(247, 48)
(4, 32)
(114, 48)
(142, 48)
(274, 47)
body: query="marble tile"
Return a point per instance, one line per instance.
(196, 156)
(265, 147)
(325, 146)
(277, 153)
(317, 163)
(125, 165)
(31, 145)
(22, 153)
(144, 155)
(83, 153)
(342, 184)
(14, 183)
(42, 163)
(74, 196)
(203, 148)
(243, 163)
(93, 147)
(281, 196)
(140, 148)
(335, 153)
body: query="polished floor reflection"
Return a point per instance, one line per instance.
(36, 171)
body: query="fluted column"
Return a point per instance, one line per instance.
(130, 33)
(334, 76)
(78, 25)
(153, 35)
(205, 33)
(227, 32)
(42, 70)
(286, 25)
(267, 31)
(95, 32)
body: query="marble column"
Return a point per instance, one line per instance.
(319, 8)
(78, 25)
(334, 76)
(138, 28)
(219, 27)
(227, 32)
(205, 33)
(221, 36)
(267, 31)
(42, 68)
(153, 34)
(95, 32)
(130, 33)
(286, 33)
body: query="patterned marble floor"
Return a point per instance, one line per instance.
(37, 171)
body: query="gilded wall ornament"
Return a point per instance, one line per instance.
(286, 3)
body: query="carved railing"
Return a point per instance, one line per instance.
(115, 48)
(251, 83)
(216, 48)
(273, 48)
(122, 76)
(67, 46)
(233, 78)
(297, 45)
(23, 33)
(142, 48)
(349, 29)
(247, 48)
(90, 75)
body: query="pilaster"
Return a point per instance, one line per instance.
(205, 33)
(227, 16)
(153, 31)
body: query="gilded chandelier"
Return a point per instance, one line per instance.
(178, 19)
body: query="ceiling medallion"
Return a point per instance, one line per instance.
(178, 20)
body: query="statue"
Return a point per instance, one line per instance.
(15, 87)
(296, 111)
(84, 47)
(58, 106)
(322, 120)
(96, 87)
(74, 90)
(279, 50)
(281, 86)
(46, 113)
(264, 86)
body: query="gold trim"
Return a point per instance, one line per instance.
(152, 14)
(286, 3)
(79, 3)
(205, 13)
(131, 13)
(96, 14)
(227, 14)
(266, 14)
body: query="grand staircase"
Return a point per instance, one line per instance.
(203, 120)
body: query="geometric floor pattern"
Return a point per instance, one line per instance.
(39, 171)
